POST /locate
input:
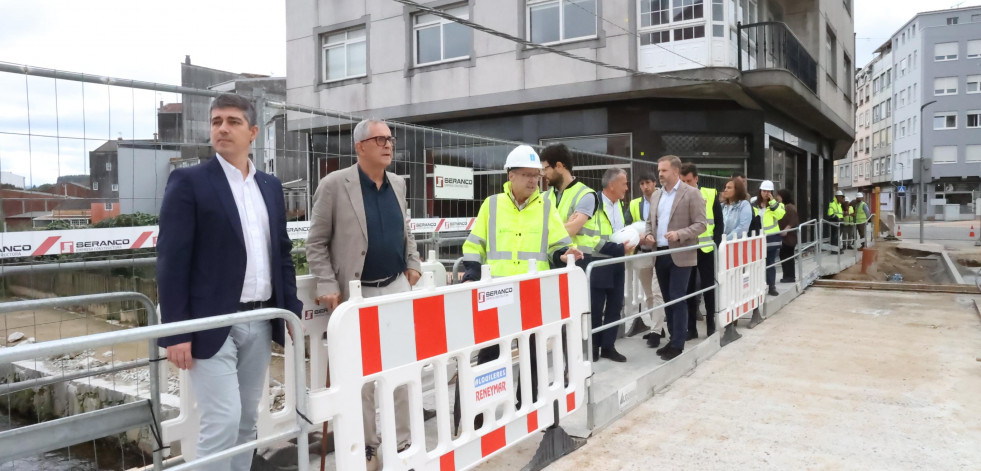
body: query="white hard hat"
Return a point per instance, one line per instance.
(523, 157)
(626, 235)
(767, 185)
(860, 195)
(839, 193)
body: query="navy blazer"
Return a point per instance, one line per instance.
(201, 253)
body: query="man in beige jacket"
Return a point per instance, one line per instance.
(676, 219)
(359, 231)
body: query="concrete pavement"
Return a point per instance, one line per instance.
(885, 381)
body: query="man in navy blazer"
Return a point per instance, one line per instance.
(223, 248)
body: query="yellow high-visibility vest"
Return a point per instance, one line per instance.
(506, 237)
(606, 229)
(710, 194)
(588, 234)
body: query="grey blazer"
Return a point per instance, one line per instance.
(338, 237)
(687, 218)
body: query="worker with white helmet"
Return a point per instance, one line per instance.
(861, 216)
(517, 225)
(770, 211)
(836, 214)
(513, 227)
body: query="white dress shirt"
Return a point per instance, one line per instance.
(255, 228)
(645, 207)
(664, 212)
(616, 217)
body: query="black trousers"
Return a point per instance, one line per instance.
(674, 283)
(834, 231)
(703, 276)
(788, 265)
(606, 304)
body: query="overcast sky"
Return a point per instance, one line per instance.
(131, 39)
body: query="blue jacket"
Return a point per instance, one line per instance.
(201, 253)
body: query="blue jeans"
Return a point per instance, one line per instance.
(674, 284)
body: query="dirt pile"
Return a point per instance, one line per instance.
(914, 266)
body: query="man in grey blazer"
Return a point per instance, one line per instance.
(676, 219)
(359, 231)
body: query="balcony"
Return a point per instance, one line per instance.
(771, 45)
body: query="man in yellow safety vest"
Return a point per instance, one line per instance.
(575, 202)
(705, 270)
(862, 215)
(836, 214)
(770, 211)
(513, 227)
(639, 208)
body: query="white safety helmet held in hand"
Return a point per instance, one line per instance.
(839, 193)
(523, 157)
(627, 235)
(860, 195)
(767, 185)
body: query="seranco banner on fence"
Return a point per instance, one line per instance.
(38, 243)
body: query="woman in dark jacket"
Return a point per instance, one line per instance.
(789, 220)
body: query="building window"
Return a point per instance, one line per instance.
(561, 20)
(974, 49)
(974, 84)
(847, 62)
(108, 166)
(115, 187)
(944, 86)
(832, 50)
(945, 52)
(654, 12)
(974, 119)
(685, 10)
(344, 55)
(972, 153)
(952, 20)
(656, 37)
(943, 121)
(691, 32)
(108, 206)
(718, 18)
(975, 18)
(95, 186)
(438, 39)
(944, 154)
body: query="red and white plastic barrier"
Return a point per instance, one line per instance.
(395, 340)
(741, 277)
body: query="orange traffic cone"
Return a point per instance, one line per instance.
(899, 231)
(972, 232)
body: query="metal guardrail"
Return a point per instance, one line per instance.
(151, 334)
(644, 256)
(10, 355)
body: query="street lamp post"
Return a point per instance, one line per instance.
(921, 192)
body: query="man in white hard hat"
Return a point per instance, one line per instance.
(770, 211)
(862, 215)
(512, 227)
(836, 214)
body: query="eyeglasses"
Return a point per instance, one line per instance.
(529, 176)
(381, 140)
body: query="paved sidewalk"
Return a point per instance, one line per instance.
(885, 381)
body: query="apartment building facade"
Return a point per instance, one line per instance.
(933, 110)
(717, 82)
